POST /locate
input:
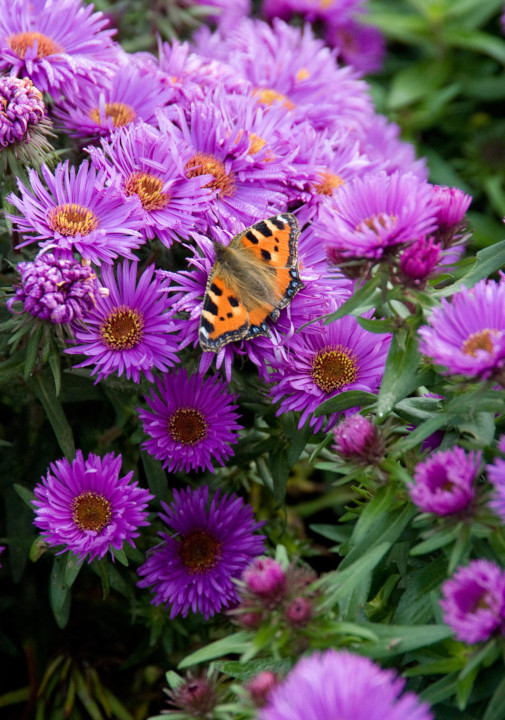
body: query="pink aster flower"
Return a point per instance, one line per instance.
(337, 684)
(467, 334)
(77, 212)
(451, 205)
(130, 329)
(85, 507)
(356, 438)
(419, 260)
(361, 46)
(379, 140)
(474, 601)
(130, 96)
(373, 214)
(191, 422)
(341, 357)
(210, 544)
(496, 475)
(444, 483)
(56, 44)
(151, 166)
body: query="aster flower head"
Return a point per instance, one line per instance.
(130, 330)
(451, 204)
(77, 212)
(467, 334)
(337, 684)
(261, 686)
(129, 96)
(419, 260)
(356, 438)
(191, 422)
(56, 288)
(151, 167)
(265, 577)
(444, 483)
(342, 356)
(210, 545)
(55, 44)
(474, 601)
(375, 213)
(86, 507)
(361, 46)
(196, 695)
(379, 140)
(496, 475)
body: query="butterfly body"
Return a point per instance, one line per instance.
(252, 279)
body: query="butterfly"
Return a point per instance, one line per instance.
(252, 279)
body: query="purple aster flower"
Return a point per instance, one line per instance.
(130, 329)
(375, 213)
(242, 188)
(444, 483)
(77, 212)
(192, 422)
(210, 545)
(55, 288)
(357, 439)
(130, 96)
(380, 141)
(338, 684)
(87, 508)
(22, 109)
(361, 46)
(56, 44)
(496, 475)
(319, 365)
(451, 205)
(474, 601)
(228, 12)
(467, 334)
(419, 260)
(151, 166)
(310, 10)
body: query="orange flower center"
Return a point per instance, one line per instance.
(123, 329)
(20, 43)
(91, 511)
(148, 188)
(334, 367)
(199, 551)
(267, 96)
(205, 164)
(187, 426)
(302, 74)
(120, 113)
(72, 219)
(381, 219)
(479, 341)
(329, 182)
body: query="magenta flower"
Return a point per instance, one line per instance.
(444, 483)
(375, 213)
(55, 288)
(337, 684)
(451, 204)
(361, 46)
(319, 365)
(356, 438)
(151, 166)
(379, 140)
(191, 422)
(56, 44)
(87, 508)
(77, 212)
(130, 96)
(496, 475)
(130, 330)
(210, 544)
(265, 577)
(467, 334)
(22, 110)
(474, 601)
(419, 260)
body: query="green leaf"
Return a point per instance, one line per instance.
(299, 439)
(422, 432)
(400, 639)
(417, 409)
(416, 81)
(32, 350)
(415, 605)
(344, 401)
(12, 368)
(54, 363)
(435, 542)
(487, 261)
(362, 300)
(102, 568)
(27, 496)
(235, 644)
(475, 40)
(400, 372)
(59, 591)
(279, 468)
(376, 326)
(496, 707)
(44, 390)
(465, 686)
(155, 475)
(481, 427)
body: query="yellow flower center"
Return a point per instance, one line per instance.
(120, 113)
(267, 96)
(205, 164)
(334, 367)
(199, 551)
(329, 182)
(72, 219)
(91, 511)
(187, 426)
(479, 341)
(20, 43)
(257, 144)
(302, 74)
(148, 188)
(123, 329)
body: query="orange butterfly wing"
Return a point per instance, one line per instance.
(238, 299)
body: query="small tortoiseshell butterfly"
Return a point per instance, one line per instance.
(252, 279)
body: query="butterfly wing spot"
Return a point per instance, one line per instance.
(233, 301)
(252, 237)
(210, 306)
(266, 255)
(215, 289)
(263, 229)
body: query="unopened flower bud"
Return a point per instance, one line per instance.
(356, 438)
(265, 578)
(261, 686)
(299, 612)
(419, 259)
(196, 696)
